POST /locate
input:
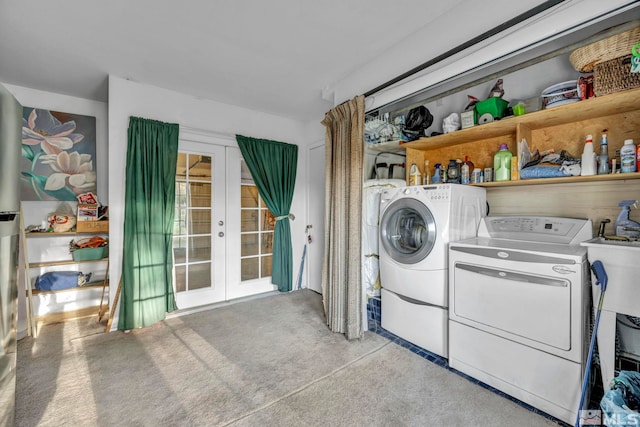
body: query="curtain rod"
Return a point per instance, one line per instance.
(492, 32)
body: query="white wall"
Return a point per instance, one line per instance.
(35, 212)
(127, 98)
(425, 45)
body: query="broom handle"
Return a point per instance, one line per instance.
(113, 308)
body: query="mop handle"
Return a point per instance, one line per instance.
(601, 280)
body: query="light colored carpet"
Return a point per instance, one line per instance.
(265, 362)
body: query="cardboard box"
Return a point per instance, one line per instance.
(87, 212)
(92, 227)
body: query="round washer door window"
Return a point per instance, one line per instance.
(407, 231)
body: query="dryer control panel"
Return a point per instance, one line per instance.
(537, 229)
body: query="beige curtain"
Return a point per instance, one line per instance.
(341, 284)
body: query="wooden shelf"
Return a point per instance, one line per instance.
(93, 285)
(64, 233)
(608, 105)
(562, 180)
(561, 128)
(66, 262)
(36, 321)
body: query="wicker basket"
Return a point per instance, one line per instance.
(585, 58)
(614, 75)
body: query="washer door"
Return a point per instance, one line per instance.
(407, 231)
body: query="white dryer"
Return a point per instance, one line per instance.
(518, 304)
(416, 225)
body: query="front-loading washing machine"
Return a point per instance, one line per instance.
(416, 225)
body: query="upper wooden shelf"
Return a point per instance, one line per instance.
(578, 111)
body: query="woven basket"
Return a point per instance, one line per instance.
(614, 75)
(585, 58)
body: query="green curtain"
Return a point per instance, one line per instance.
(147, 262)
(273, 167)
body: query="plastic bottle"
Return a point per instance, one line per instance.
(464, 173)
(415, 177)
(502, 164)
(623, 221)
(603, 160)
(588, 164)
(426, 177)
(436, 174)
(628, 157)
(466, 170)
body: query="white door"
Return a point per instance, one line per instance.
(199, 225)
(250, 233)
(315, 250)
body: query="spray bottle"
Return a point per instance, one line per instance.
(624, 226)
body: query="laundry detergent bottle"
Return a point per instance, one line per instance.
(502, 164)
(624, 226)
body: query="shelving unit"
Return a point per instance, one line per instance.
(34, 321)
(559, 128)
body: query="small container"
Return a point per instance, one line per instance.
(628, 154)
(476, 176)
(488, 174)
(638, 158)
(415, 178)
(518, 109)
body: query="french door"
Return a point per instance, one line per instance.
(199, 231)
(222, 230)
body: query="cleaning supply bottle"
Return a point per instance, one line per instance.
(464, 173)
(588, 164)
(628, 157)
(466, 170)
(502, 164)
(415, 178)
(426, 177)
(436, 174)
(603, 160)
(624, 226)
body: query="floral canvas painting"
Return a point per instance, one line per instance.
(58, 155)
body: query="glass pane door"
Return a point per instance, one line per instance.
(199, 231)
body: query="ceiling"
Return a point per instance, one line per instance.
(275, 56)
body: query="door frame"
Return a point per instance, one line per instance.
(317, 231)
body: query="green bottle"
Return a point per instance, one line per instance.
(502, 164)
